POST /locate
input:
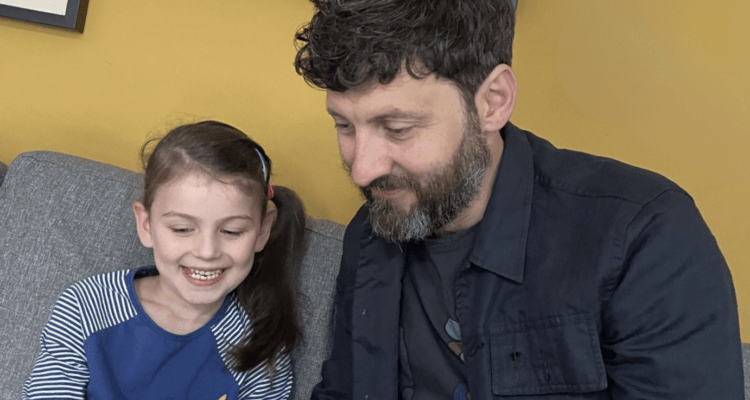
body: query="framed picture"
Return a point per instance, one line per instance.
(67, 14)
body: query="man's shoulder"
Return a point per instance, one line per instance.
(589, 175)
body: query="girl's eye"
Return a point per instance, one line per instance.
(232, 233)
(182, 230)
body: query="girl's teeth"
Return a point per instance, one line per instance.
(205, 275)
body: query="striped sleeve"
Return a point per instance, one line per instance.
(61, 370)
(259, 385)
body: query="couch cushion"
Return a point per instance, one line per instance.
(64, 218)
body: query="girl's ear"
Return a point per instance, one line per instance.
(265, 229)
(142, 224)
(496, 98)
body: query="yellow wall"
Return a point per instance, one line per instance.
(659, 84)
(141, 67)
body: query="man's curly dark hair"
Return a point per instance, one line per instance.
(348, 43)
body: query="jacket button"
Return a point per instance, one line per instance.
(364, 311)
(367, 396)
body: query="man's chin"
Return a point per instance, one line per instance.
(393, 223)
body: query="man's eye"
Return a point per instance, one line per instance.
(398, 130)
(343, 128)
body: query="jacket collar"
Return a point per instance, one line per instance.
(500, 245)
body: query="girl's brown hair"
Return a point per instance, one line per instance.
(269, 293)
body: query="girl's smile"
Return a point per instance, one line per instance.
(199, 277)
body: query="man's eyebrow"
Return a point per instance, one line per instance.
(334, 113)
(395, 113)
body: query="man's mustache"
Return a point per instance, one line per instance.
(389, 182)
(386, 183)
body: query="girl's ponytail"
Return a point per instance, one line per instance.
(269, 293)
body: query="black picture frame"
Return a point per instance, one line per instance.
(74, 18)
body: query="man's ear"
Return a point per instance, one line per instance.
(265, 230)
(496, 98)
(142, 224)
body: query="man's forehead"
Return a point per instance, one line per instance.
(402, 95)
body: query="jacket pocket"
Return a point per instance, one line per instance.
(559, 354)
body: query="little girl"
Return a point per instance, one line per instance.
(216, 317)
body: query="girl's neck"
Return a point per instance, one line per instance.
(169, 311)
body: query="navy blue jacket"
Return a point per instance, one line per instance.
(589, 279)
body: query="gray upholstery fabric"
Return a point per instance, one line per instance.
(746, 365)
(64, 218)
(317, 285)
(3, 170)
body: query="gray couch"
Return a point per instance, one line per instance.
(64, 218)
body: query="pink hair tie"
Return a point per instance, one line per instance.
(270, 191)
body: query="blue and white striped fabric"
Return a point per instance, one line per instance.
(100, 344)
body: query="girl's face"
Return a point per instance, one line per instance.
(204, 234)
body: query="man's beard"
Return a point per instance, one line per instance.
(440, 200)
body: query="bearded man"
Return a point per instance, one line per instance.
(486, 263)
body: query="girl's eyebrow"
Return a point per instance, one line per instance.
(175, 214)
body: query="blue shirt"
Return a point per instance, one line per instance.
(100, 344)
(589, 279)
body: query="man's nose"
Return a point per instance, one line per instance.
(371, 158)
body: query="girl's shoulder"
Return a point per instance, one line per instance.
(101, 300)
(112, 284)
(257, 382)
(231, 322)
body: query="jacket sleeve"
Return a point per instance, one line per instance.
(60, 370)
(670, 327)
(336, 374)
